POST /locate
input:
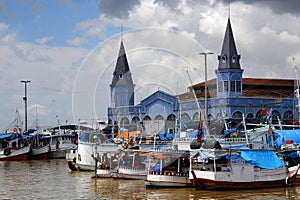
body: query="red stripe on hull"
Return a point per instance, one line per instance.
(223, 185)
(21, 157)
(38, 157)
(296, 181)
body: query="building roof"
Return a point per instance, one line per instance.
(229, 59)
(122, 74)
(252, 87)
(268, 81)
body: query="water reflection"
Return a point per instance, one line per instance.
(51, 179)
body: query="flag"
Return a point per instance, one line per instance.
(263, 111)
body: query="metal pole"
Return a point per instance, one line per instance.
(25, 100)
(205, 85)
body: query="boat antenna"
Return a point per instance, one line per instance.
(121, 32)
(229, 9)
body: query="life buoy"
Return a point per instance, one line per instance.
(7, 151)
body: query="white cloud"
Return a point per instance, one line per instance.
(265, 39)
(52, 72)
(77, 41)
(10, 37)
(3, 27)
(94, 28)
(44, 40)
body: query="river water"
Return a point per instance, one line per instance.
(52, 179)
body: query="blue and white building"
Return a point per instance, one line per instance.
(228, 94)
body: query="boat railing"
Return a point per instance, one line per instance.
(133, 168)
(184, 139)
(168, 151)
(233, 140)
(168, 173)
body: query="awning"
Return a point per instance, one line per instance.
(5, 136)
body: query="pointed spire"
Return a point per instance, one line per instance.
(229, 59)
(122, 73)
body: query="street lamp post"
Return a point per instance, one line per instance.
(205, 86)
(25, 100)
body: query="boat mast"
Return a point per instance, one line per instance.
(199, 108)
(178, 121)
(297, 93)
(245, 128)
(141, 127)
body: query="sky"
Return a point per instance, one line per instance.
(68, 50)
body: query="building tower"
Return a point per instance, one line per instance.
(229, 72)
(122, 87)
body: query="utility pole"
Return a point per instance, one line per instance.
(25, 100)
(205, 86)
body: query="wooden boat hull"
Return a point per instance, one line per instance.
(131, 174)
(156, 181)
(39, 153)
(294, 176)
(103, 173)
(214, 183)
(58, 154)
(16, 155)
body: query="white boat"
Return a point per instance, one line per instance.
(40, 147)
(60, 143)
(231, 169)
(39, 153)
(132, 164)
(91, 143)
(13, 147)
(107, 164)
(104, 173)
(168, 169)
(20, 154)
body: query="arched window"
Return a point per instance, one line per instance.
(233, 59)
(135, 120)
(224, 59)
(185, 117)
(237, 115)
(171, 117)
(250, 116)
(196, 117)
(147, 118)
(124, 121)
(159, 117)
(275, 114)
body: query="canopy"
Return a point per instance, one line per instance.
(281, 136)
(5, 136)
(259, 158)
(262, 158)
(168, 154)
